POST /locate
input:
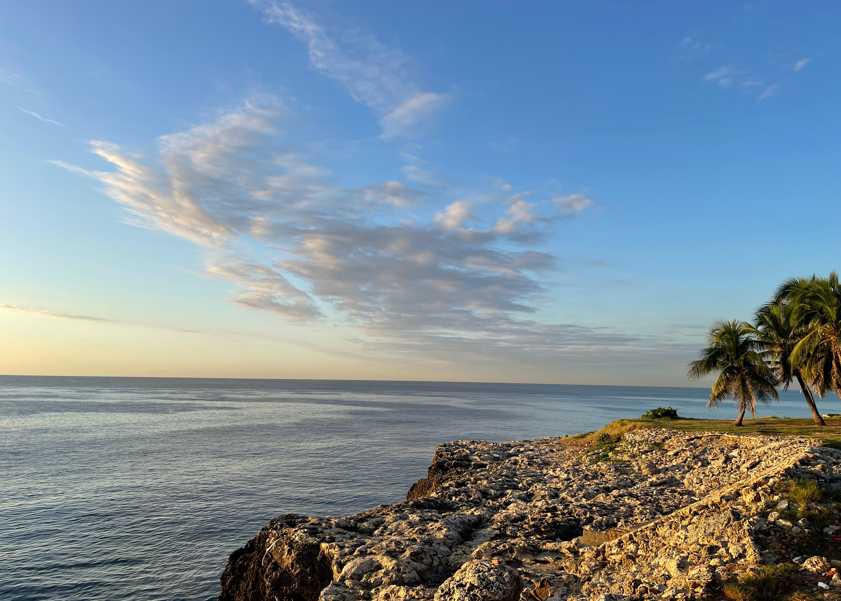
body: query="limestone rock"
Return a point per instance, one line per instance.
(816, 565)
(481, 580)
(670, 516)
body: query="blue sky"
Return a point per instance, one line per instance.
(493, 191)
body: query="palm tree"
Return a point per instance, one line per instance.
(816, 308)
(778, 335)
(734, 350)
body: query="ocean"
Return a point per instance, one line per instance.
(140, 488)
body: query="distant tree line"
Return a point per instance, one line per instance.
(794, 337)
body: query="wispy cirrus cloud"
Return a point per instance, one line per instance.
(732, 77)
(471, 271)
(574, 204)
(768, 92)
(415, 170)
(690, 49)
(53, 315)
(725, 76)
(173, 198)
(373, 74)
(91, 319)
(8, 78)
(40, 118)
(784, 64)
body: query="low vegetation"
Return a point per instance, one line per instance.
(605, 449)
(829, 436)
(803, 492)
(768, 583)
(661, 413)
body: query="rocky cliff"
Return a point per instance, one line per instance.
(659, 514)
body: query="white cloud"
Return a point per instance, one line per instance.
(415, 109)
(574, 204)
(262, 288)
(724, 76)
(689, 49)
(801, 63)
(10, 79)
(415, 172)
(363, 256)
(769, 91)
(373, 74)
(39, 117)
(518, 196)
(515, 215)
(728, 76)
(171, 199)
(393, 193)
(454, 215)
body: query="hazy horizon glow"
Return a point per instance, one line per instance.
(515, 194)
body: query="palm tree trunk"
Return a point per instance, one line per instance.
(810, 400)
(738, 423)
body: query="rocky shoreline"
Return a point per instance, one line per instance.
(659, 514)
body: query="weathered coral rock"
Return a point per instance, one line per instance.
(817, 565)
(669, 516)
(479, 580)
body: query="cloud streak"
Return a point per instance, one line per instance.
(40, 118)
(10, 79)
(729, 76)
(690, 49)
(52, 315)
(373, 74)
(768, 92)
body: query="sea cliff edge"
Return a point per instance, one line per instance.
(657, 514)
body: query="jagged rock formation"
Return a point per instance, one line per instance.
(672, 513)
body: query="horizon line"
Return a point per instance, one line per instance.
(346, 380)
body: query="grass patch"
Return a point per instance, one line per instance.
(809, 499)
(829, 435)
(605, 448)
(769, 584)
(803, 492)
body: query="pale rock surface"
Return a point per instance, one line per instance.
(479, 580)
(668, 517)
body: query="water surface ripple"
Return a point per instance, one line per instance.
(136, 488)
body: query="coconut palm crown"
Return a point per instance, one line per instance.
(734, 351)
(816, 307)
(779, 334)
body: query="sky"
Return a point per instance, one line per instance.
(465, 191)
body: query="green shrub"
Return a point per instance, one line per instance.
(608, 439)
(661, 413)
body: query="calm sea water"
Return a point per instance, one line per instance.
(136, 488)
